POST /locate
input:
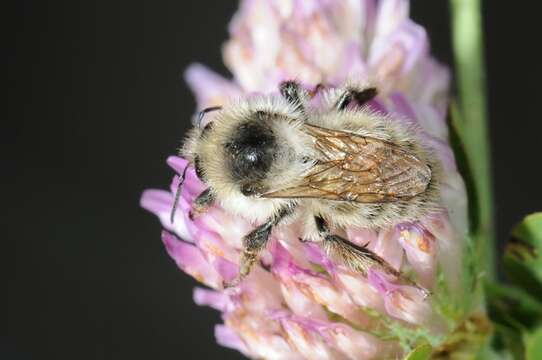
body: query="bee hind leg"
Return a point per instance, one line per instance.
(357, 258)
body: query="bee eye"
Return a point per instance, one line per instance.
(207, 127)
(199, 173)
(197, 166)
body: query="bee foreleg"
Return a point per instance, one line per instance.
(360, 96)
(202, 203)
(356, 258)
(253, 244)
(293, 93)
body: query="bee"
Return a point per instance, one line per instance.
(279, 158)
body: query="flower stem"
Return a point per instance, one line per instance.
(467, 38)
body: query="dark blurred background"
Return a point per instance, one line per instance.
(96, 102)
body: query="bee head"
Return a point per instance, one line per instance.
(204, 129)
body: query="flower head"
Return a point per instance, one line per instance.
(298, 303)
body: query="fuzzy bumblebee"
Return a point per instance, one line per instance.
(281, 158)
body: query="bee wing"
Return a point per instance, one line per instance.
(353, 167)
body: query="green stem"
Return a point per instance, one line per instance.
(468, 43)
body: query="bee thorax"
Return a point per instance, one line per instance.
(250, 153)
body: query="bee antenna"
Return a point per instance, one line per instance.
(178, 194)
(202, 113)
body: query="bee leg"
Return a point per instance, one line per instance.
(253, 244)
(360, 96)
(202, 203)
(293, 93)
(357, 258)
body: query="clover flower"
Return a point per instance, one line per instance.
(297, 303)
